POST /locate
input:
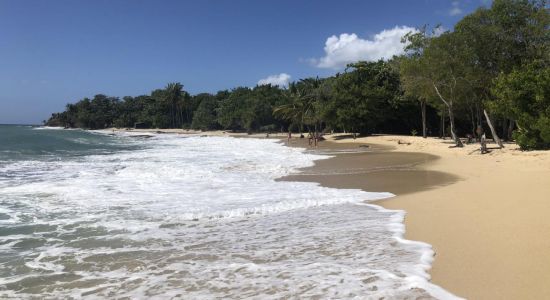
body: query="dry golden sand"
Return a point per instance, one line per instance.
(491, 228)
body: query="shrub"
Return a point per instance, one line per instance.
(524, 95)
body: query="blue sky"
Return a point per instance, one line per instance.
(54, 52)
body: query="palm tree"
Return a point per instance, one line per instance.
(303, 100)
(173, 94)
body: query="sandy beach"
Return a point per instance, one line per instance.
(485, 215)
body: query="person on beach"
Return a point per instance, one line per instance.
(289, 137)
(316, 138)
(310, 138)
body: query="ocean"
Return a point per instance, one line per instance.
(92, 214)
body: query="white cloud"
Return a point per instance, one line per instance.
(281, 80)
(348, 48)
(455, 9)
(437, 31)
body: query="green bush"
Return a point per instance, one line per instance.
(524, 95)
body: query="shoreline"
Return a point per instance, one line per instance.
(377, 168)
(484, 215)
(488, 227)
(343, 157)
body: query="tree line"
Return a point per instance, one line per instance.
(491, 72)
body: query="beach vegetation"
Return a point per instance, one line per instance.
(205, 118)
(524, 95)
(488, 72)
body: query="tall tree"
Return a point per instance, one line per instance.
(441, 66)
(300, 106)
(497, 40)
(204, 117)
(415, 84)
(365, 94)
(174, 98)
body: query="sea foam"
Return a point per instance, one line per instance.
(200, 217)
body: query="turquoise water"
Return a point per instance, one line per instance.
(21, 142)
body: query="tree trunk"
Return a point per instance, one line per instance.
(449, 105)
(511, 124)
(473, 119)
(457, 140)
(424, 129)
(181, 118)
(493, 131)
(479, 120)
(188, 118)
(442, 125)
(172, 116)
(504, 129)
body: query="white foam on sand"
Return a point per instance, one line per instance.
(47, 128)
(201, 217)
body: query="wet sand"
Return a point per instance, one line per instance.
(485, 215)
(488, 221)
(377, 170)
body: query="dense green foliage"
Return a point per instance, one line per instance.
(460, 68)
(204, 118)
(366, 96)
(495, 62)
(524, 94)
